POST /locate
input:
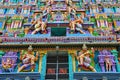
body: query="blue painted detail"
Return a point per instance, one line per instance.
(70, 68)
(97, 67)
(1, 23)
(20, 76)
(78, 34)
(43, 70)
(96, 75)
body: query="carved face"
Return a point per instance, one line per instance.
(8, 60)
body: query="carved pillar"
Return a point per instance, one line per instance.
(101, 61)
(42, 53)
(72, 52)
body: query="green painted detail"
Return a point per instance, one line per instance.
(115, 53)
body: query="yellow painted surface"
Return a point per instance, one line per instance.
(40, 64)
(42, 53)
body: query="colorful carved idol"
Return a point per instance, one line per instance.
(84, 58)
(76, 25)
(7, 64)
(28, 59)
(108, 63)
(40, 26)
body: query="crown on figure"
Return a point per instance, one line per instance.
(30, 47)
(84, 46)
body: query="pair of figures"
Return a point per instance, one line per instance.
(84, 58)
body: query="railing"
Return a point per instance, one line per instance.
(20, 76)
(96, 76)
(93, 39)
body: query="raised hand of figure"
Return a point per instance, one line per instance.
(37, 53)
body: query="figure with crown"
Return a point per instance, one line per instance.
(28, 59)
(84, 58)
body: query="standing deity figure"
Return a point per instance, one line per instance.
(28, 59)
(71, 9)
(84, 58)
(108, 63)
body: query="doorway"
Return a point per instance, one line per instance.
(57, 65)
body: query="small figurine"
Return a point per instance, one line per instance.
(26, 30)
(84, 58)
(40, 26)
(68, 2)
(45, 10)
(108, 63)
(28, 59)
(72, 10)
(49, 2)
(76, 25)
(53, 16)
(65, 15)
(90, 29)
(7, 64)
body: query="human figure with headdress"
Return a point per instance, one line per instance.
(28, 59)
(84, 58)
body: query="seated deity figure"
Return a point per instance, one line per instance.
(84, 58)
(108, 63)
(39, 26)
(28, 59)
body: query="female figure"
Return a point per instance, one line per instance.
(108, 63)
